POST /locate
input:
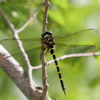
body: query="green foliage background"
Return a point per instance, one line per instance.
(65, 16)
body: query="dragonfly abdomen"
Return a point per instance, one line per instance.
(58, 70)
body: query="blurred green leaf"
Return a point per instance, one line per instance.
(64, 4)
(57, 17)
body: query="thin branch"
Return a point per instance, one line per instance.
(32, 17)
(69, 56)
(45, 22)
(78, 55)
(9, 24)
(44, 72)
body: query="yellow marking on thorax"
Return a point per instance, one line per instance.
(50, 42)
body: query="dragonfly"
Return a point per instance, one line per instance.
(81, 41)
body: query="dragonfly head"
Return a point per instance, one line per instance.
(47, 33)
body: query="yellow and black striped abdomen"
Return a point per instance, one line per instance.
(58, 69)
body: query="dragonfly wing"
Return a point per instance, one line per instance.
(11, 45)
(33, 49)
(31, 43)
(71, 49)
(33, 55)
(75, 49)
(89, 36)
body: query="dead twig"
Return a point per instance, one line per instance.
(69, 56)
(44, 73)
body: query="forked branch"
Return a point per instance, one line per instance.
(24, 80)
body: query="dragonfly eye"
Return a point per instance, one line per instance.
(46, 33)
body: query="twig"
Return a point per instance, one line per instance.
(45, 22)
(44, 73)
(32, 17)
(10, 25)
(69, 56)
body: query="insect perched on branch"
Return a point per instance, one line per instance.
(78, 42)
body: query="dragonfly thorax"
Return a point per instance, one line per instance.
(47, 40)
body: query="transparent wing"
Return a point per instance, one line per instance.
(71, 49)
(85, 37)
(31, 41)
(79, 42)
(32, 47)
(64, 49)
(90, 36)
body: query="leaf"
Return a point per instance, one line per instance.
(62, 3)
(57, 17)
